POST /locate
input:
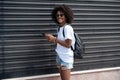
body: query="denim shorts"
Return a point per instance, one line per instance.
(63, 65)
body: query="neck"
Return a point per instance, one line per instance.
(62, 24)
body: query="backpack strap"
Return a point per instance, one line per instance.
(58, 29)
(63, 32)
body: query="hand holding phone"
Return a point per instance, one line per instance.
(50, 37)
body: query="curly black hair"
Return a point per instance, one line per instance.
(67, 12)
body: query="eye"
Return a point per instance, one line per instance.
(61, 15)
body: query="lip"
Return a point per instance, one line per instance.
(59, 19)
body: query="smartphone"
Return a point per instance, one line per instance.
(43, 34)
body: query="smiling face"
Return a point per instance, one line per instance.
(61, 18)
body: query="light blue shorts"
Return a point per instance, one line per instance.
(63, 65)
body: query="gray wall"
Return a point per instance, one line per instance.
(24, 52)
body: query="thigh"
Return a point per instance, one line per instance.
(65, 74)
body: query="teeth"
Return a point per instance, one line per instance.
(60, 19)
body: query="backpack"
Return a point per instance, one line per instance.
(79, 47)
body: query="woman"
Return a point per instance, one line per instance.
(63, 16)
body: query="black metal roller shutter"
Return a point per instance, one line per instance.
(25, 52)
(98, 23)
(1, 40)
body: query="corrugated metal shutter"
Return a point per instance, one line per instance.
(27, 53)
(1, 41)
(98, 23)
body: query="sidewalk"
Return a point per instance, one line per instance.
(97, 74)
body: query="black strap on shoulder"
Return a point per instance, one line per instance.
(63, 32)
(58, 29)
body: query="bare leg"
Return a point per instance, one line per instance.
(65, 74)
